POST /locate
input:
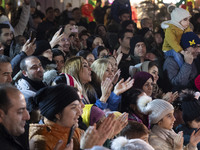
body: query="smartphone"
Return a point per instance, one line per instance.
(62, 30)
(32, 36)
(71, 134)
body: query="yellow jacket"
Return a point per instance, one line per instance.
(46, 136)
(172, 39)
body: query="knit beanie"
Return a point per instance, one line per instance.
(177, 14)
(140, 78)
(156, 109)
(190, 107)
(189, 39)
(197, 82)
(53, 99)
(91, 114)
(41, 46)
(95, 115)
(134, 40)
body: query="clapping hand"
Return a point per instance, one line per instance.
(122, 86)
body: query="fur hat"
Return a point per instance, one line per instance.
(123, 143)
(53, 99)
(190, 106)
(140, 79)
(156, 109)
(189, 39)
(177, 14)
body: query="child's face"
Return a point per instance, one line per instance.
(194, 124)
(168, 121)
(185, 22)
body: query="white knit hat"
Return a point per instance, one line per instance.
(156, 109)
(177, 14)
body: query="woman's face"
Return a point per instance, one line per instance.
(147, 87)
(102, 31)
(48, 54)
(109, 73)
(154, 72)
(114, 64)
(69, 115)
(90, 59)
(85, 73)
(97, 42)
(167, 121)
(64, 44)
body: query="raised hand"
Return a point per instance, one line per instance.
(106, 129)
(94, 136)
(195, 138)
(29, 47)
(178, 141)
(56, 38)
(170, 97)
(122, 86)
(90, 138)
(106, 87)
(120, 123)
(116, 77)
(188, 57)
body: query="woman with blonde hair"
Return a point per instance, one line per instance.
(78, 68)
(102, 88)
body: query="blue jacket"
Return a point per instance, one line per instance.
(112, 102)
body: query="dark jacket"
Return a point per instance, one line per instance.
(186, 133)
(180, 78)
(7, 141)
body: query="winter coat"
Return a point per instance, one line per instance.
(173, 36)
(163, 139)
(29, 89)
(46, 136)
(186, 133)
(180, 78)
(7, 141)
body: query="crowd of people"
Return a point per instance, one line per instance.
(67, 83)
